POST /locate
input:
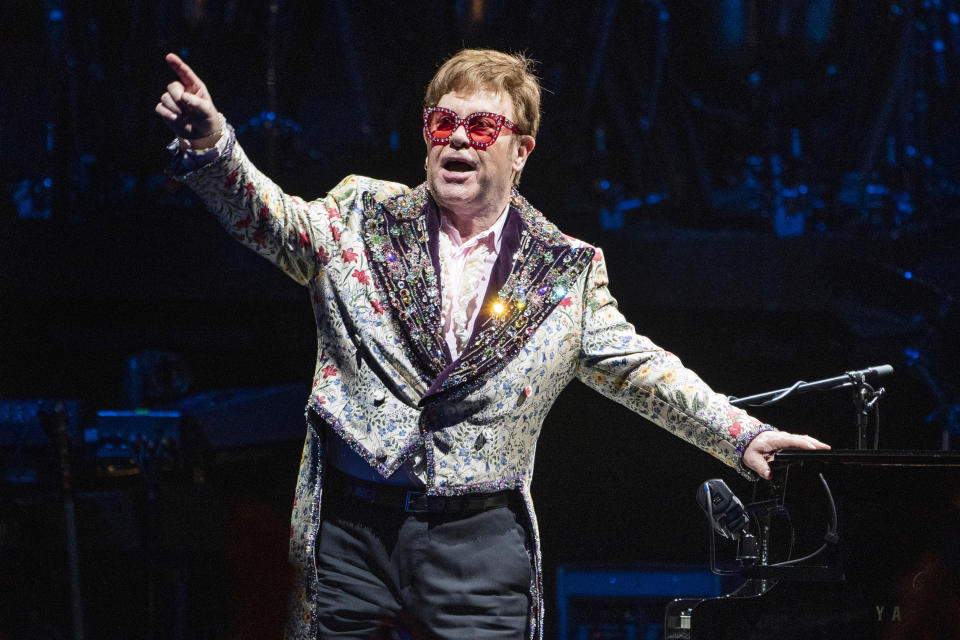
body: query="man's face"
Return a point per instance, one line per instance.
(469, 181)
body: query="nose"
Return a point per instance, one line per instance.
(459, 138)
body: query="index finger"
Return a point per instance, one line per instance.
(190, 79)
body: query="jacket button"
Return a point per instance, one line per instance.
(379, 398)
(381, 455)
(481, 440)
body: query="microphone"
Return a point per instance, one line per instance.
(879, 370)
(724, 509)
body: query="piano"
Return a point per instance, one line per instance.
(892, 572)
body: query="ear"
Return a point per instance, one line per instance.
(524, 149)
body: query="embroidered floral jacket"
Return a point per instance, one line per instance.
(385, 381)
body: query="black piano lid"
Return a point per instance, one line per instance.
(856, 457)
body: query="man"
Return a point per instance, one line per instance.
(449, 318)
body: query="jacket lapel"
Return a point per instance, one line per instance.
(401, 234)
(536, 268)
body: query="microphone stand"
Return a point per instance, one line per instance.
(865, 397)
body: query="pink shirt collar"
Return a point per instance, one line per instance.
(493, 234)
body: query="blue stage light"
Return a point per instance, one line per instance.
(908, 275)
(56, 15)
(938, 46)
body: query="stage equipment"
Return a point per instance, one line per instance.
(728, 517)
(886, 567)
(723, 508)
(624, 602)
(125, 443)
(27, 437)
(865, 398)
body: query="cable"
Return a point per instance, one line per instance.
(786, 392)
(831, 535)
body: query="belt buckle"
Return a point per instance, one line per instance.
(416, 502)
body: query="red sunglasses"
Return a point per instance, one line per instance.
(482, 127)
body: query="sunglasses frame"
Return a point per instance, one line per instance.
(457, 121)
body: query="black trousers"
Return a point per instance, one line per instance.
(385, 574)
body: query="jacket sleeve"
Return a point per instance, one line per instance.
(298, 236)
(632, 370)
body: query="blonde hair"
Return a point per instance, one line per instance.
(502, 73)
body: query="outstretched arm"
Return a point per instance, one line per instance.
(633, 371)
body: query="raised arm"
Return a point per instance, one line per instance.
(299, 237)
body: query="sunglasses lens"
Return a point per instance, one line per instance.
(483, 129)
(440, 124)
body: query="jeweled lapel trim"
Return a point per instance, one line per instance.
(399, 234)
(544, 267)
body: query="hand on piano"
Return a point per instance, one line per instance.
(763, 447)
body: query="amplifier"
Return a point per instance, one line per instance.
(121, 442)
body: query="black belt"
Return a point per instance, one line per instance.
(411, 500)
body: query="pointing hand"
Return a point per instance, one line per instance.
(186, 107)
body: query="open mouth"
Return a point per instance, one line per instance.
(457, 166)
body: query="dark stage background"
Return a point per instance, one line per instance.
(775, 188)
